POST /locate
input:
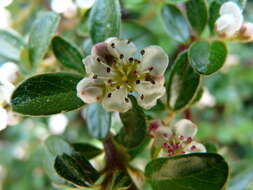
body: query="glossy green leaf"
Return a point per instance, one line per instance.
(41, 35)
(197, 14)
(183, 83)
(10, 47)
(198, 95)
(67, 54)
(47, 94)
(55, 145)
(104, 20)
(134, 129)
(207, 57)
(175, 24)
(76, 169)
(214, 13)
(196, 171)
(87, 150)
(98, 121)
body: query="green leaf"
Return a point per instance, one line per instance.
(175, 1)
(76, 169)
(196, 171)
(183, 83)
(104, 20)
(198, 95)
(55, 145)
(141, 36)
(41, 35)
(175, 24)
(10, 47)
(47, 94)
(214, 13)
(207, 57)
(197, 14)
(67, 54)
(134, 130)
(87, 150)
(98, 121)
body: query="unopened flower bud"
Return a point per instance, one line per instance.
(246, 32)
(185, 129)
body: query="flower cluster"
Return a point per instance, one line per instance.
(8, 75)
(176, 140)
(114, 72)
(230, 23)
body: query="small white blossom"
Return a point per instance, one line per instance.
(66, 7)
(246, 32)
(5, 3)
(57, 124)
(230, 20)
(9, 72)
(6, 89)
(3, 118)
(85, 4)
(114, 73)
(176, 140)
(5, 20)
(206, 100)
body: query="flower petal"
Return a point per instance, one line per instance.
(162, 135)
(149, 93)
(94, 65)
(3, 118)
(154, 59)
(230, 8)
(9, 72)
(6, 89)
(121, 48)
(185, 128)
(117, 101)
(194, 147)
(90, 90)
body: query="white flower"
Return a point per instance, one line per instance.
(5, 20)
(162, 135)
(230, 20)
(66, 7)
(9, 72)
(85, 4)
(246, 32)
(185, 129)
(57, 123)
(194, 147)
(3, 118)
(206, 100)
(6, 89)
(5, 3)
(114, 73)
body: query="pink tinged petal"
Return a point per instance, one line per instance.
(94, 65)
(162, 136)
(194, 147)
(230, 8)
(149, 93)
(90, 90)
(185, 128)
(121, 48)
(3, 118)
(154, 59)
(117, 101)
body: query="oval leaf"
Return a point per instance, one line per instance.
(196, 171)
(10, 47)
(41, 35)
(104, 20)
(175, 24)
(76, 169)
(183, 83)
(67, 54)
(214, 13)
(134, 130)
(98, 121)
(87, 150)
(47, 94)
(207, 57)
(197, 14)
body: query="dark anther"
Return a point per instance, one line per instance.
(109, 95)
(118, 87)
(142, 52)
(138, 61)
(150, 68)
(142, 96)
(98, 60)
(138, 82)
(110, 81)
(113, 45)
(121, 56)
(108, 69)
(126, 99)
(153, 82)
(95, 77)
(131, 59)
(128, 41)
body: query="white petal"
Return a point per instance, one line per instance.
(13, 118)
(60, 6)
(194, 147)
(94, 65)
(3, 118)
(6, 89)
(149, 93)
(85, 3)
(9, 72)
(57, 124)
(230, 8)
(121, 47)
(117, 101)
(162, 135)
(154, 59)
(185, 128)
(90, 90)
